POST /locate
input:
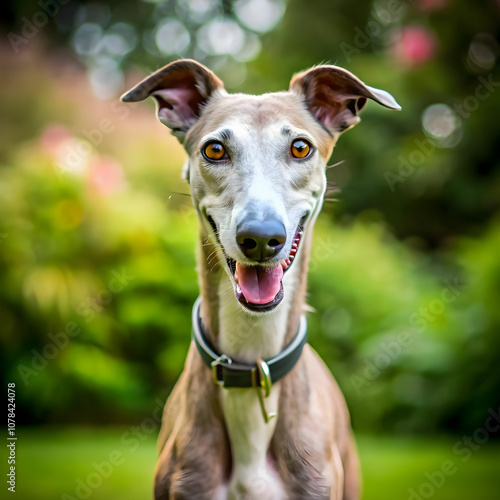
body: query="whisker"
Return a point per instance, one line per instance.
(332, 187)
(210, 259)
(181, 194)
(206, 241)
(335, 164)
(211, 255)
(214, 266)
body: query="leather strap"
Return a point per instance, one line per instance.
(229, 373)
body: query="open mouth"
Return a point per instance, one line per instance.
(259, 288)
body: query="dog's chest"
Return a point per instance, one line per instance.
(246, 338)
(254, 474)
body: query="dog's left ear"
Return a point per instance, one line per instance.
(180, 88)
(334, 96)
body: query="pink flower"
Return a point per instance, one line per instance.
(54, 138)
(414, 45)
(105, 175)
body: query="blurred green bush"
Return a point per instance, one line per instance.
(97, 242)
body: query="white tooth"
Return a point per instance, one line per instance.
(295, 245)
(238, 288)
(291, 257)
(284, 265)
(236, 276)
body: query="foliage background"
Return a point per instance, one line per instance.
(90, 196)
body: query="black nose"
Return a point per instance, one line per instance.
(261, 240)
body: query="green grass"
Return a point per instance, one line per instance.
(393, 466)
(52, 462)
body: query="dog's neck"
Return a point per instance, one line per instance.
(242, 335)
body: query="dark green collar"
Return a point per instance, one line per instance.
(229, 373)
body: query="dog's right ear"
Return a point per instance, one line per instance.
(180, 88)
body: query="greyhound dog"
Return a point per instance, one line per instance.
(255, 414)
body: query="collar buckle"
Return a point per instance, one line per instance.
(264, 388)
(217, 376)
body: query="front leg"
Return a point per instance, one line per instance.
(312, 442)
(194, 460)
(192, 465)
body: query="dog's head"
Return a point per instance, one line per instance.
(257, 163)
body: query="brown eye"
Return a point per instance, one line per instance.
(300, 148)
(214, 151)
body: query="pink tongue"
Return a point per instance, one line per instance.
(259, 284)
